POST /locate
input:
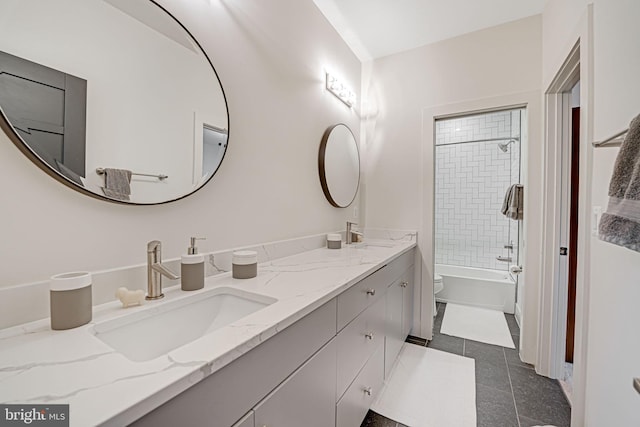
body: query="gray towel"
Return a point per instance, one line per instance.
(620, 224)
(116, 183)
(513, 204)
(507, 200)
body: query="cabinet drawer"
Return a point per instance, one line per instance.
(307, 398)
(370, 289)
(355, 403)
(357, 342)
(222, 398)
(400, 265)
(361, 295)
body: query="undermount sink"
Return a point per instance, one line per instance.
(372, 244)
(153, 332)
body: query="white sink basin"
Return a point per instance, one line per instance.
(156, 331)
(372, 244)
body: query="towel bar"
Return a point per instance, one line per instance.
(612, 141)
(100, 171)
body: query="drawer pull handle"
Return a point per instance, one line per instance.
(371, 292)
(369, 335)
(368, 391)
(404, 284)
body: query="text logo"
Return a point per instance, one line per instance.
(34, 415)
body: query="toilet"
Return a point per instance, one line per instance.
(437, 287)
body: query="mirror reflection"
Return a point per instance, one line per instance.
(339, 165)
(113, 96)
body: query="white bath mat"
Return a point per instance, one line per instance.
(478, 324)
(429, 388)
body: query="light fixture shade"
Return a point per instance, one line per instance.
(339, 90)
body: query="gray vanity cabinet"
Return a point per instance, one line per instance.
(393, 325)
(364, 321)
(226, 396)
(408, 292)
(307, 398)
(399, 317)
(357, 342)
(360, 368)
(361, 295)
(324, 370)
(356, 401)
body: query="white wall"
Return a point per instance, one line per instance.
(272, 70)
(612, 353)
(491, 68)
(610, 285)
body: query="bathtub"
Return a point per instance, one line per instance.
(492, 289)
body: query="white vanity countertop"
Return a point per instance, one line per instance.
(41, 366)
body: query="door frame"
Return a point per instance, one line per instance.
(553, 318)
(531, 154)
(551, 330)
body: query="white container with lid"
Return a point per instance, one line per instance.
(334, 241)
(245, 264)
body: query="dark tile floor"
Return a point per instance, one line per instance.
(509, 393)
(374, 419)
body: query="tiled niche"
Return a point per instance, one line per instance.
(472, 177)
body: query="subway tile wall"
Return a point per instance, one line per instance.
(471, 182)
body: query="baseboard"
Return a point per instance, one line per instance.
(518, 316)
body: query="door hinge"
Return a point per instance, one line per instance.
(563, 251)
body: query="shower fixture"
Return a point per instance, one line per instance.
(503, 146)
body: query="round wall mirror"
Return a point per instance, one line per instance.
(114, 98)
(339, 165)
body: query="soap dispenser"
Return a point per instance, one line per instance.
(192, 268)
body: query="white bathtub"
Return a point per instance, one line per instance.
(492, 289)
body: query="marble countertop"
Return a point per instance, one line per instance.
(103, 387)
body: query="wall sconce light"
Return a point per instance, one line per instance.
(340, 91)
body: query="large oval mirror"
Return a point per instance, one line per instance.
(114, 98)
(339, 165)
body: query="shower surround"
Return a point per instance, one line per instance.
(471, 181)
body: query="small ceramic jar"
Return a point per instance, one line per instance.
(244, 264)
(70, 300)
(334, 241)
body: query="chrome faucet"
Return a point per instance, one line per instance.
(155, 270)
(350, 233)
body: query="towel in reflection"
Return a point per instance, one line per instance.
(620, 224)
(513, 204)
(116, 183)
